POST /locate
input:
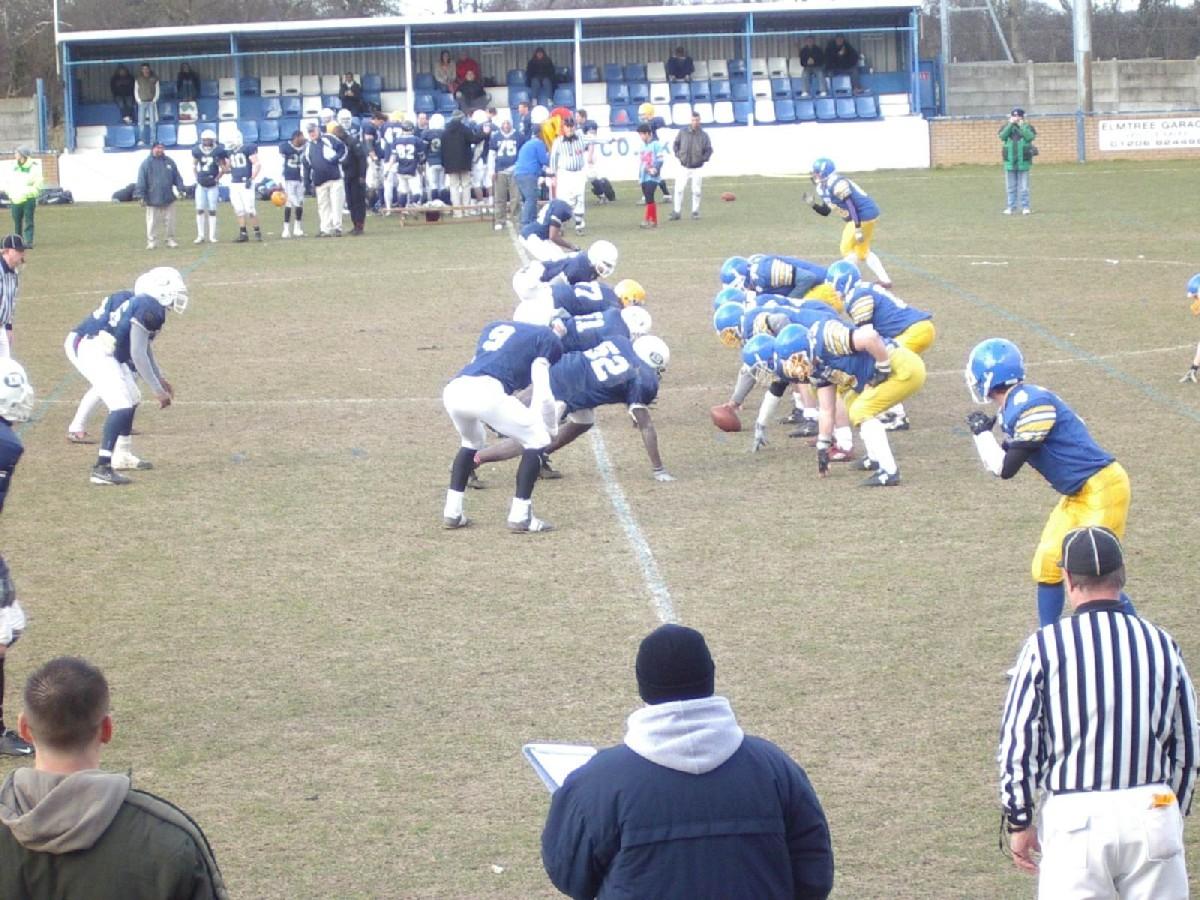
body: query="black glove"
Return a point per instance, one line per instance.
(980, 422)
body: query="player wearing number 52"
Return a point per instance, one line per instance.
(509, 357)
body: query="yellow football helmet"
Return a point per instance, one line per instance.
(630, 292)
(646, 111)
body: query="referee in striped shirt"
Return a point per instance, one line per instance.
(1101, 717)
(12, 257)
(567, 163)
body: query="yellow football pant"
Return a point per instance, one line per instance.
(827, 295)
(908, 375)
(850, 245)
(1103, 500)
(918, 337)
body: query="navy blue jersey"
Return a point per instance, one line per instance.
(433, 146)
(556, 212)
(586, 331)
(407, 152)
(207, 161)
(241, 164)
(10, 455)
(291, 156)
(140, 308)
(610, 372)
(100, 314)
(584, 298)
(573, 269)
(506, 350)
(504, 149)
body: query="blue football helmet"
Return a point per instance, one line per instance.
(770, 301)
(822, 168)
(727, 321)
(1193, 288)
(994, 363)
(735, 271)
(758, 354)
(793, 352)
(843, 276)
(728, 295)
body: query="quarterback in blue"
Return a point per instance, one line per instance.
(1041, 430)
(1193, 294)
(16, 405)
(544, 237)
(509, 357)
(857, 209)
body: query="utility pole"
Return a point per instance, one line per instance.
(944, 7)
(1082, 22)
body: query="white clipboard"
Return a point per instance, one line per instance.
(554, 762)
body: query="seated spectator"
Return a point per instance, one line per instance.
(539, 77)
(187, 83)
(813, 60)
(466, 64)
(350, 93)
(444, 75)
(471, 95)
(842, 59)
(121, 85)
(680, 66)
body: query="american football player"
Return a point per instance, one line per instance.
(243, 176)
(16, 405)
(1193, 293)
(1043, 431)
(859, 211)
(106, 352)
(291, 152)
(544, 236)
(435, 172)
(402, 171)
(586, 331)
(787, 276)
(647, 115)
(557, 299)
(509, 356)
(77, 432)
(734, 272)
(210, 161)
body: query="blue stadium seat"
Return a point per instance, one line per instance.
(701, 91)
(781, 89)
(737, 68)
(840, 86)
(720, 90)
(741, 91)
(591, 75)
(167, 90)
(374, 99)
(206, 109)
(250, 108)
(423, 81)
(845, 108)
(268, 131)
(166, 133)
(288, 126)
(680, 92)
(424, 103)
(516, 77)
(518, 95)
(826, 110)
(291, 106)
(618, 92)
(741, 111)
(867, 106)
(806, 110)
(799, 86)
(446, 104)
(623, 117)
(613, 72)
(563, 74)
(97, 114)
(168, 110)
(272, 108)
(248, 87)
(635, 72)
(639, 92)
(785, 111)
(564, 96)
(120, 137)
(332, 101)
(249, 130)
(372, 82)
(210, 87)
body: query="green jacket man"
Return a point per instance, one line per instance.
(22, 181)
(1017, 138)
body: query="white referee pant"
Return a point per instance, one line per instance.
(543, 250)
(477, 400)
(571, 187)
(5, 351)
(681, 181)
(1098, 845)
(114, 382)
(12, 624)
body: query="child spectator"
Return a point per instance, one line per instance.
(649, 172)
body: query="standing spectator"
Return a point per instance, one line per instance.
(187, 83)
(145, 92)
(689, 805)
(22, 182)
(350, 94)
(539, 77)
(74, 831)
(466, 64)
(842, 59)
(354, 172)
(444, 73)
(649, 172)
(1017, 136)
(1100, 720)
(693, 149)
(457, 141)
(532, 160)
(568, 160)
(680, 66)
(812, 58)
(12, 258)
(471, 95)
(16, 405)
(1193, 294)
(322, 163)
(503, 160)
(158, 185)
(524, 123)
(121, 84)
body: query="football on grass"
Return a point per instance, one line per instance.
(725, 418)
(728, 196)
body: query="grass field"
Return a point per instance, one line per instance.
(338, 690)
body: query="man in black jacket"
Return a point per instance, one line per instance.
(813, 60)
(354, 173)
(842, 59)
(158, 185)
(458, 139)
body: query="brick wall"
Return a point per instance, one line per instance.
(973, 141)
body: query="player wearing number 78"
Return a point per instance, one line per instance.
(509, 357)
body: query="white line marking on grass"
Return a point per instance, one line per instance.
(660, 596)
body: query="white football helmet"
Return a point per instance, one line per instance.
(437, 120)
(165, 285)
(16, 393)
(652, 351)
(637, 320)
(603, 257)
(538, 115)
(344, 118)
(208, 138)
(325, 116)
(479, 117)
(235, 140)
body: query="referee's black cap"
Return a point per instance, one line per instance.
(1091, 551)
(12, 242)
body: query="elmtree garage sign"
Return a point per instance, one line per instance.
(1149, 134)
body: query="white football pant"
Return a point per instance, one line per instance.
(571, 187)
(242, 198)
(294, 191)
(111, 379)
(477, 400)
(435, 179)
(542, 250)
(537, 307)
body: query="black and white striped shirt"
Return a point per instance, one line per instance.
(8, 293)
(1101, 701)
(567, 154)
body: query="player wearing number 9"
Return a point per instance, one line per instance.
(509, 357)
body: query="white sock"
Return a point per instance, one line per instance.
(897, 410)
(520, 510)
(454, 504)
(212, 226)
(844, 438)
(124, 446)
(877, 266)
(874, 437)
(199, 224)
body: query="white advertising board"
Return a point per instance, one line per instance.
(1115, 135)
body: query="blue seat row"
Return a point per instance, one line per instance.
(256, 131)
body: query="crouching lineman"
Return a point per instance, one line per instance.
(1193, 293)
(870, 374)
(509, 356)
(544, 237)
(615, 370)
(558, 299)
(599, 261)
(108, 349)
(1043, 431)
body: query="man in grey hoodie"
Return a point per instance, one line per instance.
(689, 806)
(69, 830)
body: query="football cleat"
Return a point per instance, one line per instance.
(548, 471)
(532, 525)
(241, 239)
(79, 437)
(837, 454)
(795, 417)
(452, 522)
(807, 428)
(104, 474)
(128, 462)
(474, 483)
(297, 231)
(11, 744)
(199, 240)
(882, 479)
(868, 465)
(897, 423)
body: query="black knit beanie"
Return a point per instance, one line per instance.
(673, 663)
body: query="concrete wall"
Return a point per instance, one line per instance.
(974, 141)
(1131, 85)
(18, 123)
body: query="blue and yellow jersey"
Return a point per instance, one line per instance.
(1063, 451)
(869, 304)
(785, 275)
(834, 360)
(841, 192)
(771, 320)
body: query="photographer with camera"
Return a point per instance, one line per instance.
(1017, 136)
